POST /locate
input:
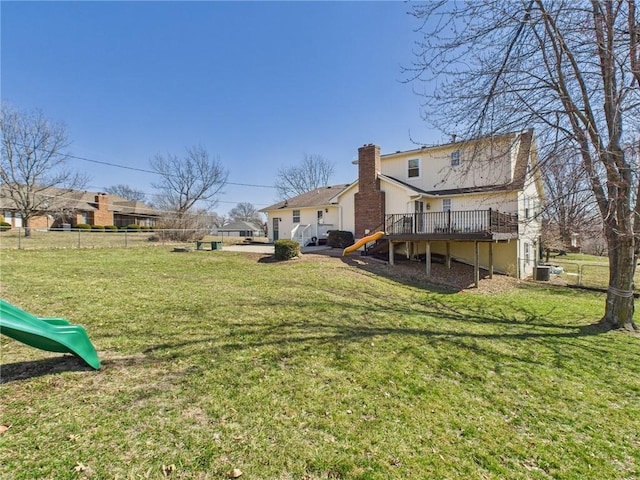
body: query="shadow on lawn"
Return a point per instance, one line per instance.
(476, 332)
(46, 366)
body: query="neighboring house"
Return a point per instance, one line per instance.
(61, 208)
(475, 201)
(240, 229)
(306, 218)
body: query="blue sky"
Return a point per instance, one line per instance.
(258, 84)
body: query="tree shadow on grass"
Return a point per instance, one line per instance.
(488, 334)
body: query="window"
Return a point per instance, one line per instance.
(296, 216)
(319, 216)
(455, 158)
(414, 168)
(446, 204)
(527, 253)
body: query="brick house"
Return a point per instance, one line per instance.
(59, 208)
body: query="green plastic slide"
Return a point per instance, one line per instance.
(50, 334)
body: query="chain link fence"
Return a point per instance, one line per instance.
(585, 274)
(15, 238)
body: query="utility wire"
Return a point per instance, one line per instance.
(110, 164)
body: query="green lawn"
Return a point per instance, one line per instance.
(308, 369)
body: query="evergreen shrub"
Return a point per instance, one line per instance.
(286, 249)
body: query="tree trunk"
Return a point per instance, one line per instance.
(619, 308)
(27, 225)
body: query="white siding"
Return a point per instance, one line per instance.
(436, 171)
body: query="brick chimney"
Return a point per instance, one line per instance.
(369, 201)
(102, 216)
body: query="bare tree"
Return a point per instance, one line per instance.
(33, 162)
(186, 182)
(125, 191)
(313, 172)
(246, 212)
(571, 208)
(568, 68)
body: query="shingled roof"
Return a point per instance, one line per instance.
(315, 198)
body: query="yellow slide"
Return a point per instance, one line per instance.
(371, 238)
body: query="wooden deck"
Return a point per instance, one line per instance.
(471, 225)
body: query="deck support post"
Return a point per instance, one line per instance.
(428, 259)
(476, 263)
(490, 259)
(448, 260)
(392, 260)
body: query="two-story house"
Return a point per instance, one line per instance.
(475, 201)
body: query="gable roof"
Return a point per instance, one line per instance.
(317, 197)
(239, 226)
(82, 200)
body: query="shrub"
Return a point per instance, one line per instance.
(133, 226)
(339, 238)
(97, 228)
(4, 225)
(286, 249)
(110, 228)
(83, 226)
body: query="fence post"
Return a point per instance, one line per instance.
(79, 230)
(580, 274)
(125, 238)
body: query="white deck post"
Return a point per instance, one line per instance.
(392, 260)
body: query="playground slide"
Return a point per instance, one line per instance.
(50, 334)
(363, 241)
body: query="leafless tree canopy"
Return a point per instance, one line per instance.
(571, 207)
(33, 161)
(313, 172)
(196, 177)
(125, 191)
(568, 68)
(246, 212)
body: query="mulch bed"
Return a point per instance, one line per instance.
(459, 277)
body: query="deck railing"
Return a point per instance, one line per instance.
(452, 222)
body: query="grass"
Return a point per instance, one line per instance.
(308, 369)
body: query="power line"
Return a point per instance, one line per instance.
(111, 164)
(99, 189)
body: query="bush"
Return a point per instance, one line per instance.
(133, 226)
(97, 228)
(340, 239)
(110, 228)
(83, 226)
(286, 249)
(4, 226)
